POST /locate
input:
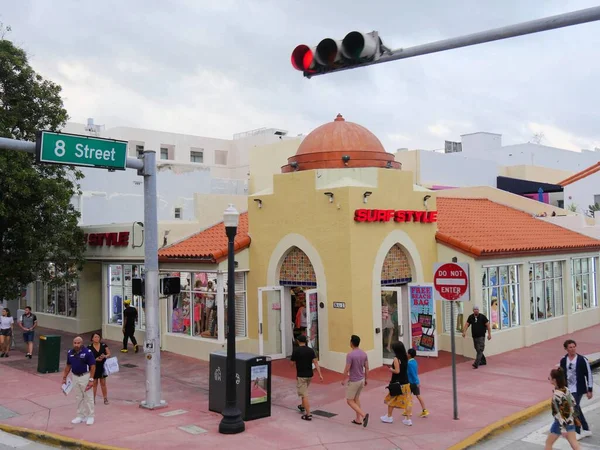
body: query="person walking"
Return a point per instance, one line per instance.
(413, 379)
(563, 411)
(101, 352)
(81, 362)
(28, 323)
(304, 357)
(399, 387)
(478, 323)
(356, 370)
(130, 317)
(579, 381)
(6, 332)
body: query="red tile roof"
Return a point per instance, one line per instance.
(482, 228)
(209, 245)
(580, 175)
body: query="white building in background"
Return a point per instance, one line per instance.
(582, 190)
(187, 165)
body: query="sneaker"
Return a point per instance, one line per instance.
(586, 433)
(89, 421)
(2, 355)
(386, 419)
(404, 414)
(30, 355)
(123, 350)
(424, 413)
(407, 422)
(136, 348)
(77, 420)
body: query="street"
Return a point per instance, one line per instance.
(9, 441)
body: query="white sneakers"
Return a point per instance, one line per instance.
(386, 419)
(585, 433)
(407, 422)
(88, 421)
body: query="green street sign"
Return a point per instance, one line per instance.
(74, 150)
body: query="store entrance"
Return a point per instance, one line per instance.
(393, 329)
(304, 317)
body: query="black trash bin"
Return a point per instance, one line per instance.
(48, 354)
(253, 384)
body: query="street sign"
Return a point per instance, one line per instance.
(451, 281)
(75, 150)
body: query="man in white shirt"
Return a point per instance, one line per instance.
(579, 380)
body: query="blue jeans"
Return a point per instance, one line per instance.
(28, 336)
(577, 396)
(555, 428)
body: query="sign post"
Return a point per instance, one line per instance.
(451, 283)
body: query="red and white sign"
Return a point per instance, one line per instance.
(451, 281)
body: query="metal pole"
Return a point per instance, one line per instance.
(453, 349)
(19, 146)
(510, 31)
(232, 422)
(153, 388)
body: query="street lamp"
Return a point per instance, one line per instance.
(232, 422)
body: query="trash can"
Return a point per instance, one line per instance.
(253, 384)
(48, 354)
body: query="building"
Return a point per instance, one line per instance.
(582, 190)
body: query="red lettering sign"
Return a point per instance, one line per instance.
(120, 239)
(386, 215)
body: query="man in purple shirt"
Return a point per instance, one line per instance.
(357, 368)
(81, 362)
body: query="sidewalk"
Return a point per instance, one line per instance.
(509, 384)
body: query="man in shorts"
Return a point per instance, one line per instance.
(357, 368)
(28, 323)
(304, 357)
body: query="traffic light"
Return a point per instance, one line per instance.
(331, 55)
(137, 286)
(170, 286)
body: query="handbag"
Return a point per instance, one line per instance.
(395, 389)
(111, 366)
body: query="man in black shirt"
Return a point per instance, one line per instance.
(479, 323)
(304, 357)
(130, 317)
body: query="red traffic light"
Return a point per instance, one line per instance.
(302, 58)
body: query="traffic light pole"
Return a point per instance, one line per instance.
(496, 34)
(147, 169)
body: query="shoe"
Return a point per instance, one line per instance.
(77, 420)
(578, 436)
(586, 433)
(407, 422)
(123, 350)
(386, 419)
(136, 348)
(30, 355)
(2, 355)
(475, 366)
(404, 414)
(89, 421)
(424, 413)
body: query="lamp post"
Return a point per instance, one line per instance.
(232, 422)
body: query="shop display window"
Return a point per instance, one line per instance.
(500, 289)
(584, 283)
(120, 288)
(195, 310)
(60, 299)
(458, 321)
(546, 290)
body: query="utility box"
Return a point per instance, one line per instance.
(253, 384)
(48, 354)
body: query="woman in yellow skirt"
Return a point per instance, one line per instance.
(399, 396)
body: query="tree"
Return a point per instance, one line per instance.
(593, 209)
(39, 233)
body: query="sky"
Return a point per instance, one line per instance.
(215, 68)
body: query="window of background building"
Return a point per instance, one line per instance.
(164, 153)
(58, 299)
(178, 214)
(597, 199)
(500, 285)
(194, 310)
(584, 284)
(120, 289)
(546, 290)
(197, 155)
(139, 151)
(221, 157)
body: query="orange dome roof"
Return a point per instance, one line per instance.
(340, 144)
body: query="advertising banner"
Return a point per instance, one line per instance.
(422, 319)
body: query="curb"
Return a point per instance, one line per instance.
(507, 422)
(55, 440)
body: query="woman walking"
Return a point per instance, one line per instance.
(563, 411)
(6, 330)
(101, 352)
(399, 387)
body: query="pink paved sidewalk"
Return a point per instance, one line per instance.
(511, 382)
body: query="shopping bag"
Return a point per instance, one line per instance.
(111, 366)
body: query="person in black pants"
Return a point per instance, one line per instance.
(130, 317)
(479, 324)
(579, 381)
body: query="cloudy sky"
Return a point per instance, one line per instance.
(214, 68)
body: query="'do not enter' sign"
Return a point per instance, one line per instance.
(451, 281)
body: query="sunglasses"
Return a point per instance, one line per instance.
(570, 366)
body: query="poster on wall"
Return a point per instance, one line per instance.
(422, 319)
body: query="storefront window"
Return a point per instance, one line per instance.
(195, 310)
(500, 289)
(60, 299)
(584, 284)
(120, 288)
(546, 290)
(458, 321)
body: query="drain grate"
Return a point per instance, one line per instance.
(321, 413)
(129, 366)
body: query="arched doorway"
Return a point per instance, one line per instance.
(396, 273)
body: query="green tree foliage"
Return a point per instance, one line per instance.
(39, 235)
